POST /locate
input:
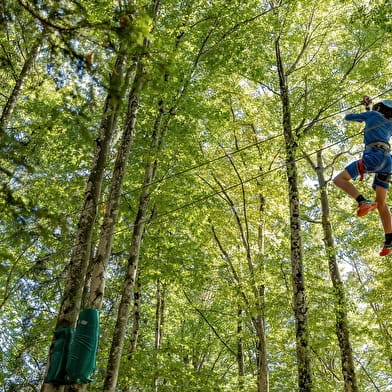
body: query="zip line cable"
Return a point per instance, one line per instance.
(223, 156)
(215, 159)
(194, 202)
(282, 166)
(211, 195)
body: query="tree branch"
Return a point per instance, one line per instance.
(210, 325)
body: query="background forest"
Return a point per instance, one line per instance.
(169, 163)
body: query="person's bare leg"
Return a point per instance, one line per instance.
(342, 181)
(383, 210)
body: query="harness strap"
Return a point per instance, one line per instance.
(361, 168)
(381, 145)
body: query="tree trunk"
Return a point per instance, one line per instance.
(342, 330)
(159, 313)
(135, 323)
(126, 297)
(240, 350)
(135, 318)
(80, 256)
(17, 90)
(133, 261)
(257, 317)
(298, 281)
(112, 206)
(79, 259)
(263, 374)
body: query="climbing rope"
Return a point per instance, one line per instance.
(215, 159)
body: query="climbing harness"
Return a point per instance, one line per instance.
(381, 145)
(361, 169)
(384, 177)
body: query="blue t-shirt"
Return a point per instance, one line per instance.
(377, 127)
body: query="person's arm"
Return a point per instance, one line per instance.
(357, 116)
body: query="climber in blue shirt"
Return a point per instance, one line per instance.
(376, 159)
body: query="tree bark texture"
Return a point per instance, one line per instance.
(133, 260)
(112, 205)
(135, 323)
(159, 316)
(298, 280)
(135, 317)
(342, 329)
(81, 252)
(72, 297)
(240, 349)
(263, 372)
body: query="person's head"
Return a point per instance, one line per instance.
(384, 107)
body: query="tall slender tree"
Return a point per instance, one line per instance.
(298, 280)
(342, 327)
(81, 252)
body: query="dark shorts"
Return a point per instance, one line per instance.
(376, 161)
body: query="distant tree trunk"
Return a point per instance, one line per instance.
(12, 100)
(298, 281)
(135, 317)
(80, 256)
(159, 316)
(135, 323)
(262, 369)
(257, 321)
(263, 374)
(240, 349)
(258, 290)
(342, 330)
(383, 324)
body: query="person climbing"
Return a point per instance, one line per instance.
(376, 158)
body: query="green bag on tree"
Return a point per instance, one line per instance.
(58, 360)
(81, 362)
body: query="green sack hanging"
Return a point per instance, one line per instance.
(58, 360)
(81, 362)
